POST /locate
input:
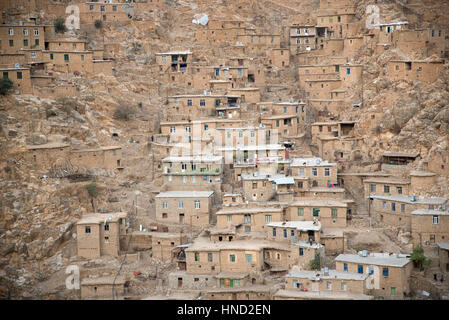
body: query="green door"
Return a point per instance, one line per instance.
(393, 291)
(231, 283)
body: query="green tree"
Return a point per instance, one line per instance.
(5, 85)
(315, 263)
(92, 190)
(419, 259)
(60, 25)
(98, 24)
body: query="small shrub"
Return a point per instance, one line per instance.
(419, 259)
(5, 86)
(315, 263)
(92, 189)
(60, 25)
(123, 113)
(98, 24)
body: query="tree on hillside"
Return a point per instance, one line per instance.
(60, 25)
(5, 85)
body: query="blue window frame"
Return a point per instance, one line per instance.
(348, 70)
(285, 233)
(345, 267)
(217, 72)
(301, 251)
(360, 269)
(274, 232)
(385, 272)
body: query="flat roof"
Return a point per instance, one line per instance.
(321, 295)
(419, 173)
(204, 244)
(443, 245)
(229, 211)
(393, 180)
(400, 154)
(166, 235)
(185, 194)
(380, 259)
(281, 116)
(311, 162)
(204, 158)
(298, 225)
(252, 147)
(173, 53)
(319, 203)
(108, 280)
(98, 149)
(283, 180)
(332, 274)
(326, 189)
(97, 218)
(48, 146)
(408, 199)
(423, 212)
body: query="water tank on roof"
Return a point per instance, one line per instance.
(326, 271)
(413, 198)
(318, 161)
(364, 253)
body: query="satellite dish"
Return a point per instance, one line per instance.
(17, 65)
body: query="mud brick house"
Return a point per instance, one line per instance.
(105, 11)
(313, 172)
(324, 284)
(184, 207)
(101, 234)
(331, 213)
(294, 231)
(248, 219)
(391, 186)
(429, 226)
(44, 156)
(163, 244)
(396, 211)
(174, 61)
(101, 288)
(196, 172)
(426, 71)
(27, 35)
(109, 157)
(306, 37)
(389, 273)
(20, 77)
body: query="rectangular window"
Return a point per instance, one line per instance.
(193, 179)
(360, 268)
(292, 233)
(106, 227)
(402, 208)
(91, 8)
(348, 70)
(316, 212)
(300, 185)
(301, 172)
(274, 232)
(314, 172)
(217, 72)
(399, 190)
(197, 204)
(267, 218)
(36, 32)
(11, 43)
(393, 291)
(206, 127)
(385, 272)
(180, 204)
(114, 8)
(184, 179)
(386, 189)
(202, 103)
(240, 72)
(82, 57)
(197, 257)
(5, 75)
(301, 251)
(326, 172)
(285, 233)
(52, 56)
(102, 8)
(343, 286)
(87, 229)
(66, 57)
(300, 212)
(164, 205)
(11, 31)
(372, 188)
(247, 218)
(189, 102)
(329, 285)
(277, 123)
(249, 258)
(384, 204)
(436, 219)
(345, 267)
(209, 257)
(229, 218)
(36, 42)
(19, 75)
(333, 212)
(393, 206)
(25, 43)
(25, 32)
(232, 257)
